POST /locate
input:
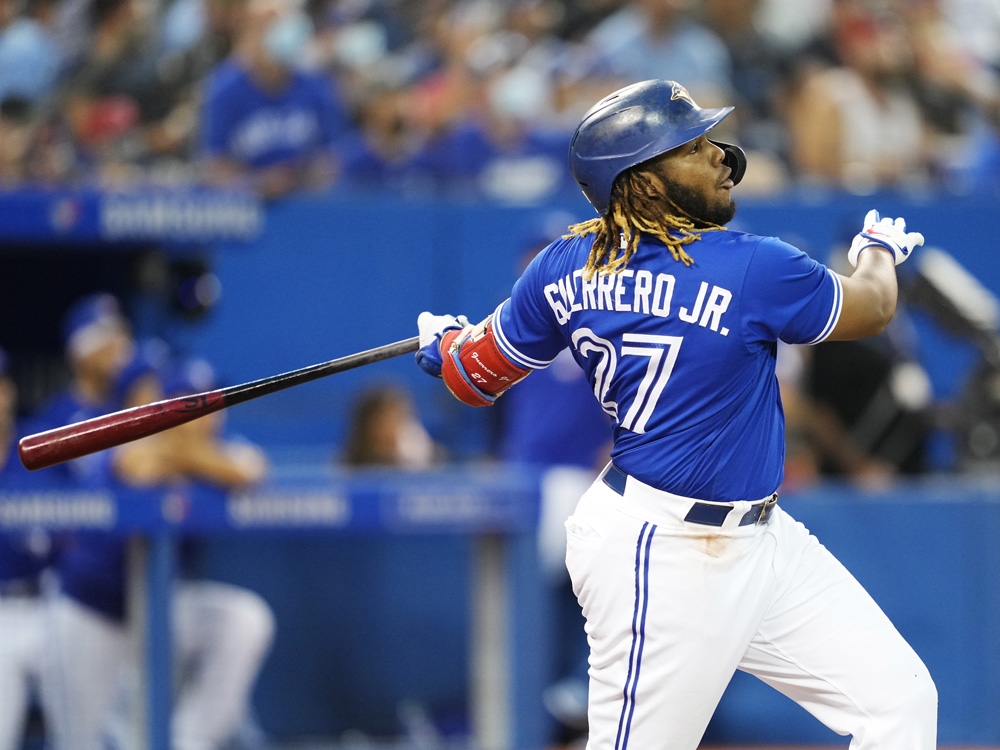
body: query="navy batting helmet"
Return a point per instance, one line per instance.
(635, 124)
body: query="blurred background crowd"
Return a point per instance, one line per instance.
(481, 95)
(461, 100)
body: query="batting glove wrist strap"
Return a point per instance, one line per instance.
(431, 329)
(888, 233)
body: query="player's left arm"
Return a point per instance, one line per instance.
(466, 357)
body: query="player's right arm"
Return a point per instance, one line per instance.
(870, 293)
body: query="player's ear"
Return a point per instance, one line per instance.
(645, 179)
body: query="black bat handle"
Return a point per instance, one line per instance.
(237, 394)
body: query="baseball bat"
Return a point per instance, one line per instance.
(44, 449)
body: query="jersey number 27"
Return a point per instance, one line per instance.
(662, 354)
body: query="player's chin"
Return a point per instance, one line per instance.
(724, 210)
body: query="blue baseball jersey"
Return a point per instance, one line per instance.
(23, 554)
(90, 564)
(261, 128)
(682, 358)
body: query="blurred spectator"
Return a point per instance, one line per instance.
(34, 145)
(759, 73)
(125, 109)
(194, 37)
(380, 151)
(856, 124)
(195, 451)
(222, 632)
(977, 24)
(30, 58)
(958, 85)
(16, 139)
(660, 39)
(265, 121)
(24, 557)
(578, 17)
(357, 44)
(504, 140)
(856, 94)
(384, 431)
(72, 29)
(540, 62)
(789, 26)
(201, 31)
(500, 153)
(450, 87)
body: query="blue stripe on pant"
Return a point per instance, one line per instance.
(638, 633)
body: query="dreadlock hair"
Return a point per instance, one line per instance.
(637, 206)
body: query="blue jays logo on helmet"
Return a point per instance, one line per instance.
(631, 126)
(679, 92)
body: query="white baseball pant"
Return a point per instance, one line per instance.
(221, 635)
(674, 608)
(21, 643)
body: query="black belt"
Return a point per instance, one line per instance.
(707, 514)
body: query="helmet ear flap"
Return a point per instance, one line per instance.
(735, 159)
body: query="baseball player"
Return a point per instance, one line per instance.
(24, 558)
(221, 633)
(684, 563)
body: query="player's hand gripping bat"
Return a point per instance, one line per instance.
(51, 447)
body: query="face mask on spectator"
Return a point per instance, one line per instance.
(286, 38)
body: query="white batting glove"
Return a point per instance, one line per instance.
(431, 328)
(888, 233)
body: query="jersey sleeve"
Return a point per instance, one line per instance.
(526, 331)
(789, 296)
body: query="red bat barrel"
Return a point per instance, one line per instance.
(54, 446)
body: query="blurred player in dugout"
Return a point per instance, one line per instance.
(221, 633)
(24, 557)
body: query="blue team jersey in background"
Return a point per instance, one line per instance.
(682, 358)
(259, 128)
(23, 554)
(90, 564)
